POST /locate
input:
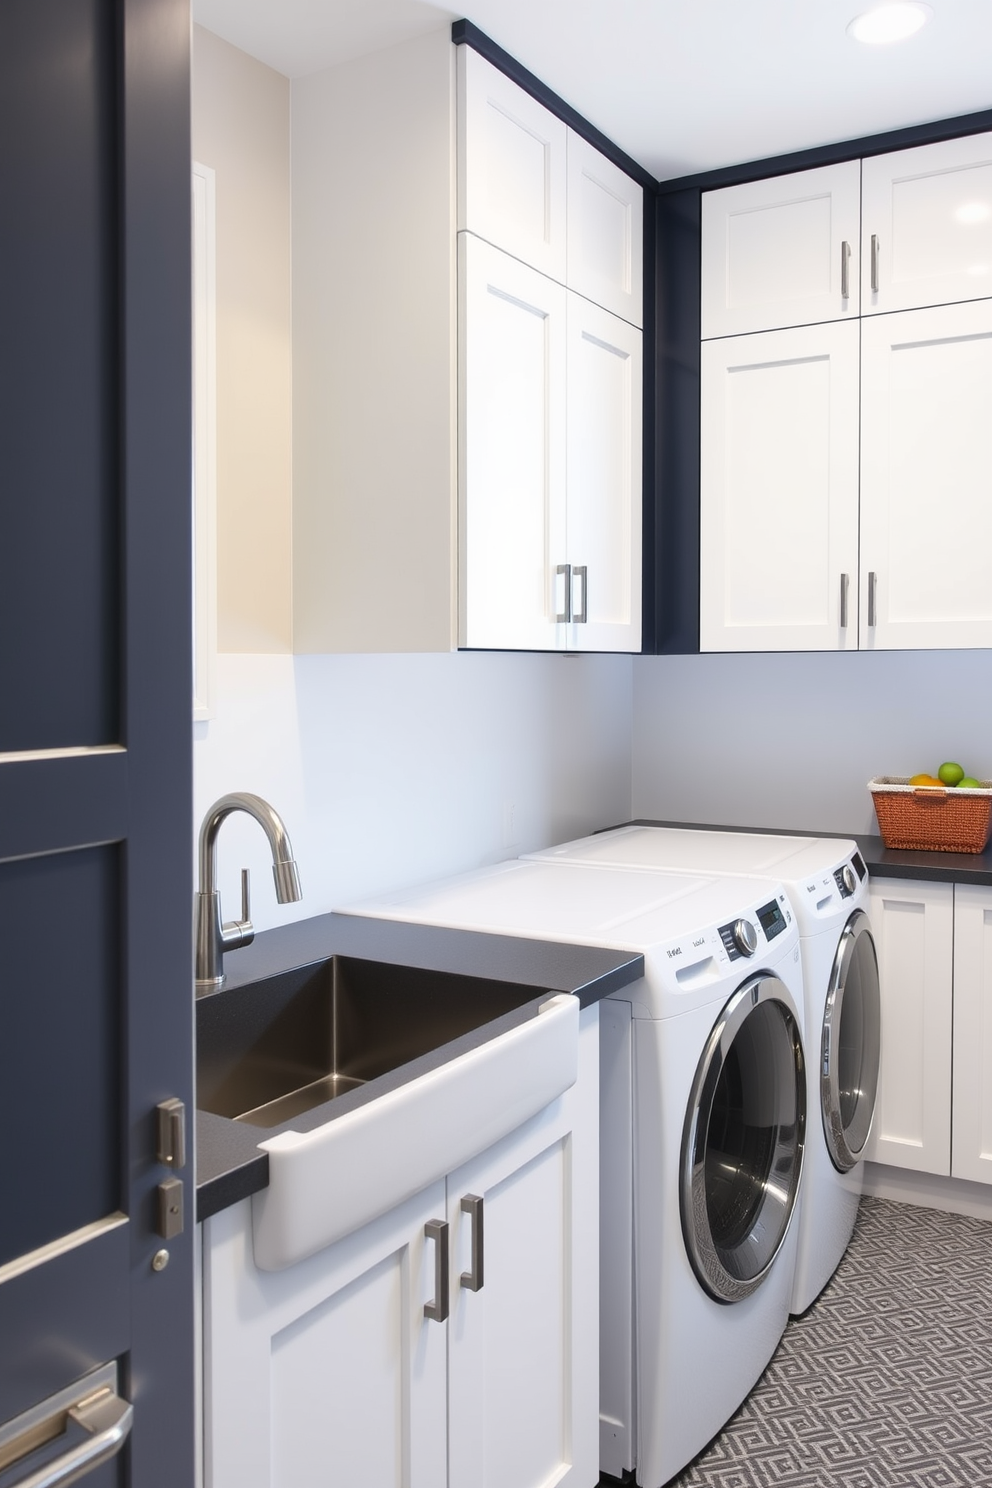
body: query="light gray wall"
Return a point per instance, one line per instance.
(792, 740)
(392, 770)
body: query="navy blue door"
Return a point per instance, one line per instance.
(95, 729)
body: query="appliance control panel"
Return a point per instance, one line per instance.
(846, 881)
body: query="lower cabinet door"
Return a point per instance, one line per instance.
(523, 1348)
(913, 925)
(327, 1374)
(971, 1149)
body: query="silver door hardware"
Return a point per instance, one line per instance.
(437, 1230)
(581, 572)
(169, 1195)
(564, 570)
(872, 604)
(472, 1279)
(212, 937)
(874, 264)
(91, 1404)
(171, 1145)
(845, 270)
(844, 580)
(160, 1260)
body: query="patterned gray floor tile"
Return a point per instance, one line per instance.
(887, 1380)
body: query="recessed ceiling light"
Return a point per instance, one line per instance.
(888, 23)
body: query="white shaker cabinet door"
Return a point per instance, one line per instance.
(523, 1349)
(913, 925)
(605, 232)
(927, 225)
(604, 464)
(779, 491)
(512, 350)
(511, 167)
(329, 1371)
(781, 252)
(971, 1150)
(926, 478)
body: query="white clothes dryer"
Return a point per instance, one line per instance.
(704, 1101)
(827, 883)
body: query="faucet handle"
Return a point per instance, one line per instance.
(245, 896)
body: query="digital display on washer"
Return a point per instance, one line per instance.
(859, 865)
(771, 919)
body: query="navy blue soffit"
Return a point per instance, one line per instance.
(464, 33)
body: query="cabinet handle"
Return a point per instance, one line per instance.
(844, 585)
(437, 1230)
(872, 585)
(104, 1417)
(874, 263)
(564, 570)
(845, 270)
(582, 574)
(472, 1279)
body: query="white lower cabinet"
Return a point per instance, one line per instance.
(330, 1373)
(934, 1110)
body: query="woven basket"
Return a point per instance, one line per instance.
(926, 818)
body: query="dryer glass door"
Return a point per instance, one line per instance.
(742, 1143)
(850, 1045)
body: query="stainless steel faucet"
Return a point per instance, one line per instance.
(212, 937)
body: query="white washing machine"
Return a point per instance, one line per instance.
(827, 883)
(704, 1102)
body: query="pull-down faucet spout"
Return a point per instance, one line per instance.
(212, 937)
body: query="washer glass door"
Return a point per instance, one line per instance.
(850, 1045)
(742, 1144)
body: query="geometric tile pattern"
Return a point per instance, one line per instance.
(886, 1382)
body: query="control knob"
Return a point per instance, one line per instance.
(745, 937)
(848, 879)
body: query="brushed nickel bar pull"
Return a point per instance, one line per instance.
(845, 270)
(437, 1230)
(564, 570)
(872, 605)
(472, 1280)
(581, 572)
(105, 1418)
(844, 586)
(874, 263)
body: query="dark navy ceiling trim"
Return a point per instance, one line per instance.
(464, 33)
(856, 149)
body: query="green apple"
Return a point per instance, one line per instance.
(969, 783)
(950, 773)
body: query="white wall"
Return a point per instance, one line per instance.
(391, 770)
(241, 129)
(792, 740)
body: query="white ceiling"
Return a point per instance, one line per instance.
(681, 85)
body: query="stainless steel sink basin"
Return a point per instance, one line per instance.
(270, 1051)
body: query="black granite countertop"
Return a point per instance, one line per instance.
(230, 1165)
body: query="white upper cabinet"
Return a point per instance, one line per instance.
(779, 491)
(605, 232)
(603, 471)
(781, 252)
(512, 340)
(927, 225)
(511, 167)
(926, 478)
